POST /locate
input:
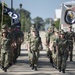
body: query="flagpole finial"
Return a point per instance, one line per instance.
(0, 2)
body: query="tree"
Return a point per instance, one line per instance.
(0, 13)
(49, 21)
(57, 23)
(39, 22)
(24, 18)
(6, 18)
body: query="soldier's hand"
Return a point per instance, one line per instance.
(45, 44)
(30, 51)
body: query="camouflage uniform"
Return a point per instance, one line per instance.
(9, 35)
(14, 45)
(53, 47)
(70, 37)
(34, 50)
(40, 47)
(20, 39)
(47, 36)
(28, 46)
(5, 50)
(61, 52)
(12, 37)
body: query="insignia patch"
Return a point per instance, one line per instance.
(69, 17)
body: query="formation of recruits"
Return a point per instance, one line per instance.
(59, 46)
(10, 45)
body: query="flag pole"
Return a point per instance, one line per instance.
(12, 10)
(2, 14)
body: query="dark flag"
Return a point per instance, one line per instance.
(15, 17)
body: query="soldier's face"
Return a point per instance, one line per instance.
(69, 29)
(56, 33)
(49, 30)
(4, 34)
(61, 35)
(34, 34)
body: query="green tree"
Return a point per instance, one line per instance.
(0, 13)
(57, 23)
(39, 22)
(49, 21)
(6, 18)
(24, 18)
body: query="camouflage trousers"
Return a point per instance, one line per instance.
(29, 55)
(19, 49)
(15, 56)
(61, 61)
(54, 58)
(5, 59)
(70, 52)
(48, 50)
(34, 58)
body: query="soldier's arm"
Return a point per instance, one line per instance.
(73, 37)
(46, 38)
(57, 41)
(28, 44)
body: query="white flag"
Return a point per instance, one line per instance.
(67, 15)
(63, 10)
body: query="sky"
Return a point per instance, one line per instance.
(41, 8)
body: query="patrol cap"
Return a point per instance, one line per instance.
(52, 27)
(9, 28)
(4, 26)
(70, 27)
(61, 30)
(49, 28)
(62, 33)
(33, 29)
(56, 30)
(32, 26)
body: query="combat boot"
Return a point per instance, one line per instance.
(35, 68)
(32, 67)
(63, 71)
(71, 60)
(2, 67)
(59, 69)
(5, 69)
(10, 64)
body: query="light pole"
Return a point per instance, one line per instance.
(20, 14)
(11, 4)
(20, 10)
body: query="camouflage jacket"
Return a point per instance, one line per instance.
(34, 43)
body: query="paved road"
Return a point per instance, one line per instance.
(44, 67)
